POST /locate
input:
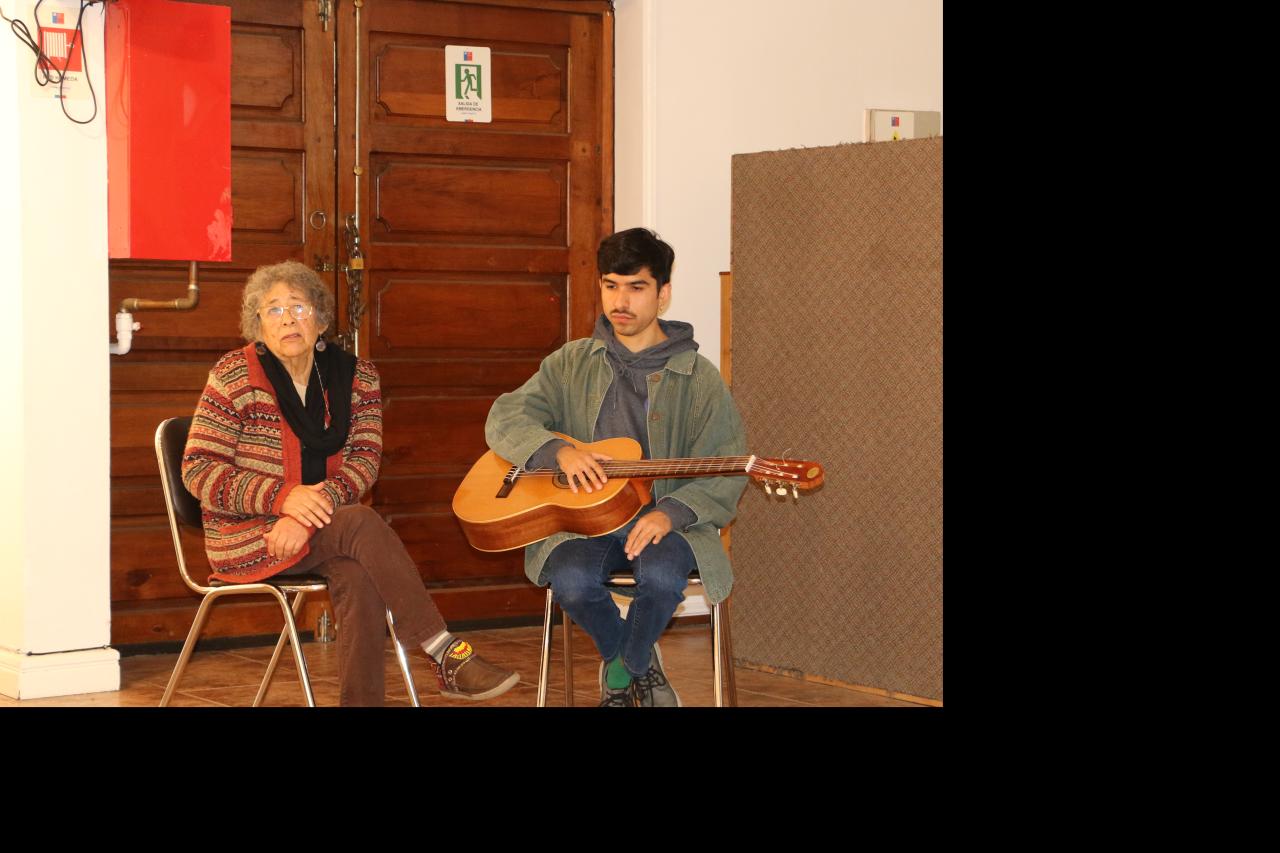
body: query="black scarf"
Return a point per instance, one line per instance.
(337, 369)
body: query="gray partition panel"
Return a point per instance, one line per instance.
(837, 357)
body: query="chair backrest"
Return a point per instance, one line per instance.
(182, 506)
(171, 441)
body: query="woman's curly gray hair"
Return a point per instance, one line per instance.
(299, 276)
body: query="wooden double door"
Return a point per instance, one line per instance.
(476, 246)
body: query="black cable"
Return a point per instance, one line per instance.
(84, 57)
(24, 35)
(44, 63)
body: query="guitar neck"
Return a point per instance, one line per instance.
(655, 469)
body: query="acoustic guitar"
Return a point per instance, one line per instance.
(502, 506)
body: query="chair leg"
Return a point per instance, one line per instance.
(275, 655)
(404, 662)
(568, 659)
(291, 628)
(544, 665)
(717, 660)
(202, 613)
(731, 681)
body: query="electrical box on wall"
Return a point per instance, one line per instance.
(168, 99)
(888, 125)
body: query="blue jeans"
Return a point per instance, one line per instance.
(578, 569)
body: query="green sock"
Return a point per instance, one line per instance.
(616, 676)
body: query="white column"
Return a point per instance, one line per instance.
(55, 504)
(635, 114)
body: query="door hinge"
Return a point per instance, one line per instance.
(324, 8)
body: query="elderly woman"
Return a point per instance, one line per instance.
(286, 439)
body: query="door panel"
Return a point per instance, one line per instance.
(524, 312)
(471, 200)
(458, 373)
(269, 209)
(530, 83)
(479, 243)
(268, 79)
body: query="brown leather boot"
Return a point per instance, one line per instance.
(463, 674)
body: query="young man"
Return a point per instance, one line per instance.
(641, 377)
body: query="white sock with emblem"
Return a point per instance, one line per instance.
(438, 645)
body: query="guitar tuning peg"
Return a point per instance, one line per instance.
(795, 493)
(767, 490)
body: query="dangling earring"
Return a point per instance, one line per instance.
(260, 348)
(320, 345)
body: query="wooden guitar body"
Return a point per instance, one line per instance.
(502, 507)
(535, 508)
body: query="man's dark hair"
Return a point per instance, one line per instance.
(627, 251)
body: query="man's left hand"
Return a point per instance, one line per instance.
(649, 530)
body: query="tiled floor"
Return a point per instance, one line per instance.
(231, 678)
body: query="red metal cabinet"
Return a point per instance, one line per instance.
(168, 71)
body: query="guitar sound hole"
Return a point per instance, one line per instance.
(560, 481)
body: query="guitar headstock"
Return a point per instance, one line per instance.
(794, 475)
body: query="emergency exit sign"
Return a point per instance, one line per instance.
(468, 84)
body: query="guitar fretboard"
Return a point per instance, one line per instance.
(708, 466)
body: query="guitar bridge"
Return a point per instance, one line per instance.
(508, 482)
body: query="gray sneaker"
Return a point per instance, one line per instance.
(652, 690)
(620, 698)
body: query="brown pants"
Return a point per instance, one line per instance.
(369, 572)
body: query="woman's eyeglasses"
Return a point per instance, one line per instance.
(276, 312)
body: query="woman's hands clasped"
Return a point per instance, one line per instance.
(304, 507)
(286, 539)
(309, 505)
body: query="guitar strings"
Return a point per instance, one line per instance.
(652, 467)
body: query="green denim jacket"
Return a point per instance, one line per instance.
(690, 414)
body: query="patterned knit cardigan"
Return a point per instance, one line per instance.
(242, 459)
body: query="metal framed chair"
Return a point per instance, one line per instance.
(184, 510)
(721, 645)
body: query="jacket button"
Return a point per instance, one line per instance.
(654, 377)
(656, 416)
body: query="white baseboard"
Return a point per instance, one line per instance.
(24, 676)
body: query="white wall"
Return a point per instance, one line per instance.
(722, 77)
(55, 573)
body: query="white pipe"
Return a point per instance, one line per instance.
(125, 327)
